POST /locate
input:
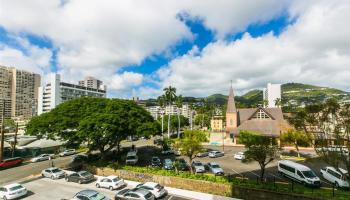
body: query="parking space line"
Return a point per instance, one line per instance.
(276, 176)
(170, 197)
(254, 173)
(237, 172)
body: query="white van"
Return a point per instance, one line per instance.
(298, 172)
(131, 158)
(338, 178)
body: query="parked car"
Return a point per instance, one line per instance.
(110, 182)
(11, 162)
(53, 173)
(215, 154)
(239, 156)
(181, 164)
(80, 177)
(131, 158)
(134, 194)
(155, 162)
(157, 190)
(77, 162)
(90, 195)
(168, 164)
(168, 152)
(215, 168)
(42, 157)
(67, 152)
(204, 153)
(12, 191)
(158, 141)
(198, 167)
(298, 172)
(338, 178)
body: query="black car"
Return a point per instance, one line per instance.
(80, 177)
(77, 162)
(181, 164)
(156, 162)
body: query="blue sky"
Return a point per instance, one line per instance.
(138, 48)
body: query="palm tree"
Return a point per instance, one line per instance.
(179, 101)
(278, 102)
(170, 96)
(191, 107)
(161, 103)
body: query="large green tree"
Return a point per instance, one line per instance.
(260, 148)
(190, 144)
(297, 138)
(101, 123)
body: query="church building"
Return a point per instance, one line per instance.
(267, 121)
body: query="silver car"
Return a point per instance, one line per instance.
(215, 168)
(90, 195)
(42, 157)
(134, 194)
(67, 152)
(198, 167)
(215, 154)
(53, 173)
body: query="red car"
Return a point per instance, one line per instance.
(10, 162)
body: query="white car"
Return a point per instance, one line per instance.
(67, 152)
(215, 154)
(156, 189)
(12, 191)
(42, 157)
(168, 152)
(239, 156)
(110, 182)
(338, 178)
(131, 158)
(198, 167)
(53, 173)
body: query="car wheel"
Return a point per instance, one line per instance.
(67, 179)
(52, 177)
(110, 188)
(4, 198)
(42, 175)
(336, 184)
(98, 185)
(79, 182)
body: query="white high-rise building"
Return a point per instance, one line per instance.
(156, 111)
(92, 82)
(56, 92)
(272, 93)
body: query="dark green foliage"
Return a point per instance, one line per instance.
(99, 122)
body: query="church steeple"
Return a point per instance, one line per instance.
(231, 107)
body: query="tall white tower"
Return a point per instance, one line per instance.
(272, 94)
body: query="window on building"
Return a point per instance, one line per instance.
(260, 115)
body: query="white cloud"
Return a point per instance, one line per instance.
(315, 50)
(125, 81)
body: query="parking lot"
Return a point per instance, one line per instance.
(44, 189)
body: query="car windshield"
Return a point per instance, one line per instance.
(197, 164)
(85, 174)
(309, 174)
(155, 159)
(131, 157)
(56, 170)
(116, 179)
(17, 187)
(215, 166)
(97, 196)
(158, 187)
(167, 161)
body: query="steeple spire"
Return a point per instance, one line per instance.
(231, 106)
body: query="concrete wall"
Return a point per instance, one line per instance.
(200, 186)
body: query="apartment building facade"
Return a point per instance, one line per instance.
(156, 111)
(19, 91)
(92, 82)
(56, 92)
(271, 94)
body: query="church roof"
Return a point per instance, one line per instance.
(231, 107)
(247, 113)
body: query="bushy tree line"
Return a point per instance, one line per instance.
(99, 123)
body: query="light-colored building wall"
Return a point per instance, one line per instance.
(156, 111)
(92, 82)
(56, 92)
(19, 88)
(271, 93)
(216, 123)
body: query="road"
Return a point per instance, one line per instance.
(27, 169)
(44, 189)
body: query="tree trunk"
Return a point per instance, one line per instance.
(163, 126)
(297, 148)
(262, 172)
(191, 170)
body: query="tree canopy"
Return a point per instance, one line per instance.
(101, 123)
(297, 138)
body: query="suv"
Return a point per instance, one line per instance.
(12, 191)
(110, 182)
(90, 195)
(131, 158)
(157, 190)
(338, 178)
(198, 167)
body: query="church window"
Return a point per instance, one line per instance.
(260, 115)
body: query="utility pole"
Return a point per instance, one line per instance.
(15, 141)
(2, 132)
